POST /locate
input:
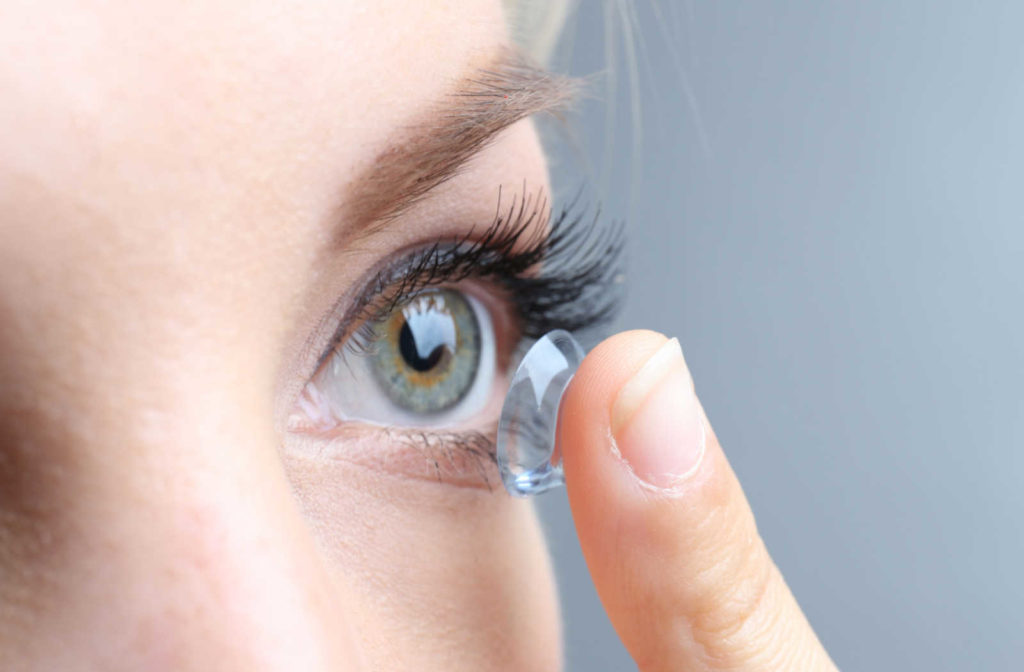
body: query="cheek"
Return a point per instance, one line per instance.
(458, 577)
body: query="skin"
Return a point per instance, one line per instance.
(173, 189)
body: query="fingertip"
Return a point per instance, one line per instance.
(632, 398)
(596, 478)
(663, 524)
(603, 372)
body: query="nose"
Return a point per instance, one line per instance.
(160, 537)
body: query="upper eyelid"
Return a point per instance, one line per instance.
(405, 272)
(577, 287)
(456, 128)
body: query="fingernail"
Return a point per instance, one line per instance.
(656, 422)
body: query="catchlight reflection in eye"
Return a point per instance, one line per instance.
(430, 361)
(427, 353)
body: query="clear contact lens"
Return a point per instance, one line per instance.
(529, 417)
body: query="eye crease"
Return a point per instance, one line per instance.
(418, 353)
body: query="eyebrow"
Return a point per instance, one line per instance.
(433, 149)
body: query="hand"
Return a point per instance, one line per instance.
(665, 528)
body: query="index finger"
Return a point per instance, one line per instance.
(664, 526)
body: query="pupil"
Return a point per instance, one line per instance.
(429, 352)
(412, 352)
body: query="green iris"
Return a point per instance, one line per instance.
(427, 351)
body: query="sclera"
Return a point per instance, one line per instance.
(529, 417)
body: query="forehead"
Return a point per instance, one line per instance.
(179, 126)
(207, 92)
(172, 164)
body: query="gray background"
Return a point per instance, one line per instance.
(835, 236)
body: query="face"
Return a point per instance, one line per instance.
(256, 315)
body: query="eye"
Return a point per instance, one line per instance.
(429, 361)
(427, 352)
(440, 324)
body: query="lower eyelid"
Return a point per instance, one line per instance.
(463, 458)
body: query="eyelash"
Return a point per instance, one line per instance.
(566, 274)
(576, 288)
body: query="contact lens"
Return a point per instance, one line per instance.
(529, 417)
